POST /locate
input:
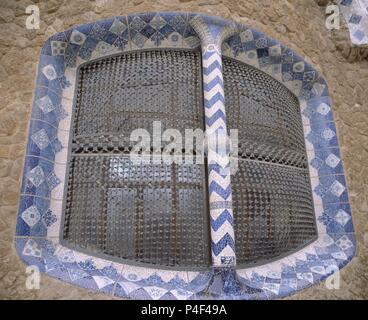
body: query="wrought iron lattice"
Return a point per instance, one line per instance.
(266, 113)
(272, 200)
(120, 94)
(152, 213)
(156, 214)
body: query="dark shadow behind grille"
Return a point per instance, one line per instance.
(142, 213)
(272, 200)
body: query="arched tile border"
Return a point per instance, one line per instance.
(40, 206)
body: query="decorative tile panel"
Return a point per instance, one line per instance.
(40, 206)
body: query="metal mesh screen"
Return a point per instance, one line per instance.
(155, 213)
(130, 91)
(151, 213)
(272, 201)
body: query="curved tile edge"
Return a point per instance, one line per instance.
(38, 221)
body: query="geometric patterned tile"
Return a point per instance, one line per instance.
(41, 139)
(45, 104)
(342, 217)
(52, 180)
(31, 216)
(49, 72)
(36, 176)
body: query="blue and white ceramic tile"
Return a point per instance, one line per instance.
(144, 283)
(43, 142)
(355, 13)
(67, 265)
(34, 217)
(40, 205)
(154, 30)
(39, 178)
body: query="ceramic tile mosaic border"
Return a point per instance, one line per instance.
(355, 13)
(40, 208)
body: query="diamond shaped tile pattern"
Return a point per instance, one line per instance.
(39, 177)
(117, 27)
(49, 72)
(45, 104)
(342, 217)
(156, 29)
(36, 176)
(356, 16)
(323, 109)
(41, 139)
(31, 216)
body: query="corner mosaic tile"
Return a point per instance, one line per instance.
(355, 13)
(40, 207)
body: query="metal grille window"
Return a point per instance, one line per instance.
(149, 213)
(156, 213)
(272, 200)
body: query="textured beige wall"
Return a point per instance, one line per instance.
(296, 23)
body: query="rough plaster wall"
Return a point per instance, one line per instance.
(296, 23)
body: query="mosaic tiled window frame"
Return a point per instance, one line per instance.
(40, 207)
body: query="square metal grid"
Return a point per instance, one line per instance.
(272, 199)
(151, 213)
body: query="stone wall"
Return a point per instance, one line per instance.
(300, 24)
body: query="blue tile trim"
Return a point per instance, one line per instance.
(64, 265)
(327, 161)
(39, 178)
(356, 17)
(43, 142)
(39, 214)
(34, 217)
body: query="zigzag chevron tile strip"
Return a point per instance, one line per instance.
(220, 195)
